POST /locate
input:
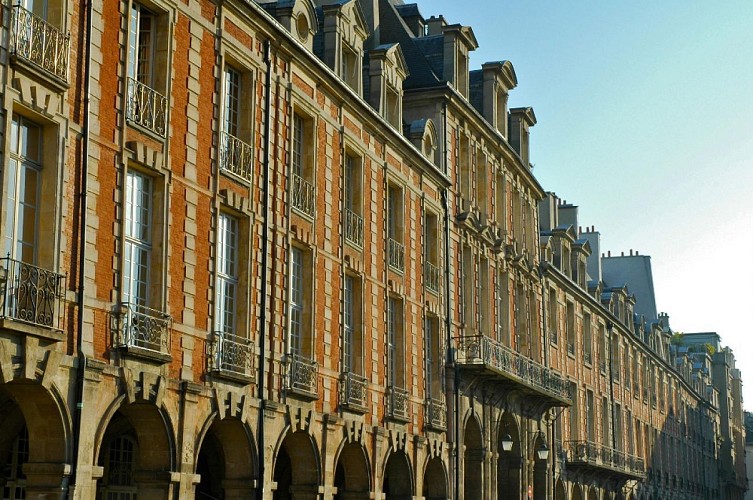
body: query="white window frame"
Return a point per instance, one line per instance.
(297, 301)
(138, 238)
(231, 93)
(227, 288)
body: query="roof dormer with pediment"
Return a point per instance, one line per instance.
(489, 91)
(387, 72)
(340, 41)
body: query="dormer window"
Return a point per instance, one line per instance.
(423, 135)
(387, 71)
(344, 30)
(351, 70)
(462, 74)
(302, 27)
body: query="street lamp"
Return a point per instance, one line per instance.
(507, 442)
(543, 451)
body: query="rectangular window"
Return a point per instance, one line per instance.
(138, 240)
(351, 68)
(481, 187)
(464, 158)
(483, 296)
(602, 344)
(521, 318)
(500, 205)
(395, 343)
(353, 218)
(226, 300)
(590, 416)
(469, 289)
(432, 277)
(232, 97)
(298, 304)
(352, 338)
(503, 309)
(301, 165)
(392, 108)
(616, 358)
(570, 328)
(606, 437)
(141, 45)
(574, 413)
(553, 323)
(24, 179)
(395, 248)
(587, 340)
(618, 427)
(433, 358)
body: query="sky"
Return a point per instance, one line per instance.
(645, 121)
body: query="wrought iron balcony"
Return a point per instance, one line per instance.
(302, 375)
(353, 391)
(231, 355)
(395, 255)
(38, 42)
(599, 458)
(31, 294)
(587, 357)
(236, 156)
(603, 366)
(144, 329)
(302, 196)
(397, 403)
(504, 365)
(353, 228)
(436, 414)
(571, 348)
(146, 107)
(431, 277)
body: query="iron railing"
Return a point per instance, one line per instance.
(436, 414)
(603, 366)
(146, 107)
(482, 350)
(231, 354)
(31, 294)
(397, 402)
(395, 255)
(302, 374)
(431, 277)
(353, 390)
(353, 228)
(596, 455)
(236, 156)
(40, 43)
(303, 195)
(570, 347)
(587, 357)
(144, 328)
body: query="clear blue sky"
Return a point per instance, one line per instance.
(645, 120)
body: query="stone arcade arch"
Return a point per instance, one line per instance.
(539, 471)
(137, 453)
(398, 478)
(473, 460)
(592, 493)
(34, 440)
(226, 461)
(559, 490)
(352, 478)
(510, 463)
(576, 493)
(296, 469)
(435, 480)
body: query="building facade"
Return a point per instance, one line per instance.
(296, 249)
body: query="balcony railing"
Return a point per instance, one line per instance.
(231, 354)
(236, 156)
(483, 351)
(436, 414)
(596, 455)
(587, 357)
(397, 403)
(570, 348)
(303, 195)
(144, 328)
(302, 375)
(353, 391)
(146, 107)
(603, 366)
(431, 277)
(353, 228)
(35, 40)
(31, 294)
(395, 255)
